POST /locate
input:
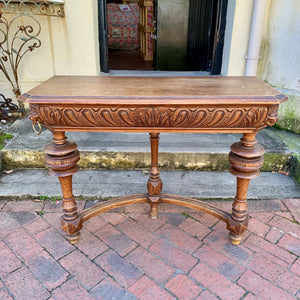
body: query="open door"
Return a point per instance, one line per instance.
(125, 42)
(202, 19)
(187, 35)
(172, 33)
(154, 37)
(207, 20)
(103, 39)
(190, 35)
(217, 54)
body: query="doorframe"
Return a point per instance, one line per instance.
(103, 36)
(217, 55)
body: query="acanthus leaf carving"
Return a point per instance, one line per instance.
(168, 117)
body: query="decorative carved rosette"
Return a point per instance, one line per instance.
(34, 114)
(272, 116)
(34, 117)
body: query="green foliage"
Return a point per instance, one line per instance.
(293, 221)
(3, 138)
(51, 199)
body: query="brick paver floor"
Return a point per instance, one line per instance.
(124, 255)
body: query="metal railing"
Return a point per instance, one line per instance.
(15, 42)
(19, 35)
(33, 7)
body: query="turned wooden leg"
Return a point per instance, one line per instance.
(61, 156)
(246, 157)
(154, 183)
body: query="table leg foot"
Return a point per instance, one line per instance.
(153, 210)
(71, 223)
(237, 224)
(154, 184)
(235, 240)
(74, 240)
(68, 228)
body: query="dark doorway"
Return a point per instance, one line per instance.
(202, 20)
(203, 47)
(207, 20)
(103, 40)
(120, 35)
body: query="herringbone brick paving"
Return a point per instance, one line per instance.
(124, 255)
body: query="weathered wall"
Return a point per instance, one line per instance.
(279, 64)
(280, 57)
(172, 36)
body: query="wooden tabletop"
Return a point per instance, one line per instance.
(153, 90)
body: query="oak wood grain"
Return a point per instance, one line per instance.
(113, 90)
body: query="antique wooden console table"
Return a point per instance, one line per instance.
(154, 104)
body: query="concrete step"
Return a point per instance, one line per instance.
(102, 184)
(203, 152)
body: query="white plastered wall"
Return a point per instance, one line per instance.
(75, 39)
(280, 55)
(238, 24)
(69, 47)
(279, 64)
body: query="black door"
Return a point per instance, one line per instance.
(103, 40)
(154, 43)
(207, 19)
